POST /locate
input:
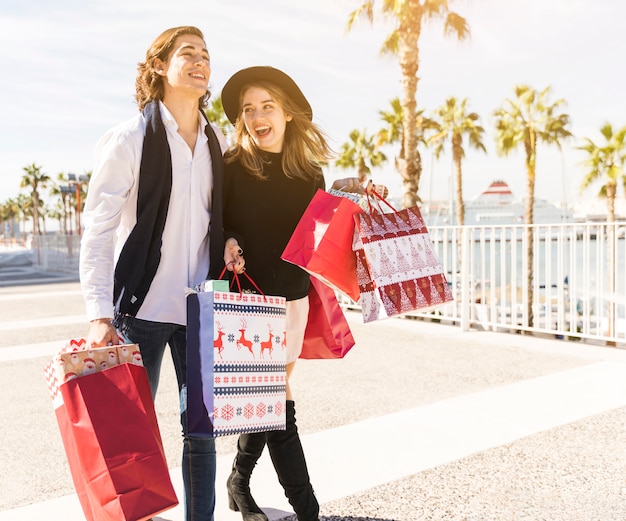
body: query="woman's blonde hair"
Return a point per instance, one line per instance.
(305, 145)
(149, 84)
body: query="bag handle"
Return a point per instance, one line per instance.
(402, 215)
(379, 199)
(236, 279)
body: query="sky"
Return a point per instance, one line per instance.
(69, 70)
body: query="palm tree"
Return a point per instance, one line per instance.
(81, 186)
(63, 190)
(4, 220)
(9, 210)
(403, 41)
(605, 163)
(34, 179)
(455, 123)
(217, 116)
(528, 120)
(362, 153)
(59, 213)
(44, 211)
(12, 211)
(393, 132)
(26, 210)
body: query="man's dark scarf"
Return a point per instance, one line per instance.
(141, 254)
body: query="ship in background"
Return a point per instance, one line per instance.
(495, 206)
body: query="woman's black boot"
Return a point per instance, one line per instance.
(288, 459)
(249, 449)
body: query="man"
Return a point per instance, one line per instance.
(153, 226)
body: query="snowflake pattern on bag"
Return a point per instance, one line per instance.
(243, 361)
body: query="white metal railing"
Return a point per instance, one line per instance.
(56, 253)
(578, 279)
(578, 283)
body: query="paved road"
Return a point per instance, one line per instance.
(419, 422)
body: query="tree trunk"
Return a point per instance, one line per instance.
(64, 221)
(35, 212)
(611, 191)
(457, 157)
(410, 167)
(529, 220)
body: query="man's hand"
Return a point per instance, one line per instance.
(102, 333)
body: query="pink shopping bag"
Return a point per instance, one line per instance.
(321, 244)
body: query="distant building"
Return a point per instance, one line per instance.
(594, 209)
(496, 205)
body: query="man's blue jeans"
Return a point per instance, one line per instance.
(198, 463)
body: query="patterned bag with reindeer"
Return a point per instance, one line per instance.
(236, 378)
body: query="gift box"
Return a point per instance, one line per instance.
(359, 199)
(76, 360)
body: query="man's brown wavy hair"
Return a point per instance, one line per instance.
(149, 84)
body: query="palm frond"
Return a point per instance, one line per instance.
(366, 10)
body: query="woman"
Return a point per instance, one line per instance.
(271, 175)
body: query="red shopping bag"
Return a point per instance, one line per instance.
(397, 267)
(321, 244)
(112, 441)
(327, 333)
(73, 461)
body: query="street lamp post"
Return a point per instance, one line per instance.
(76, 182)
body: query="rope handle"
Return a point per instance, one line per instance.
(379, 199)
(236, 279)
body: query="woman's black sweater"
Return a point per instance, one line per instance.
(262, 215)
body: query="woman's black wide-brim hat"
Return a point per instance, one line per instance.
(232, 89)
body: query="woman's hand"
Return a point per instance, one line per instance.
(349, 184)
(233, 256)
(381, 190)
(352, 184)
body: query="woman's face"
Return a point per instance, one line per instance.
(265, 119)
